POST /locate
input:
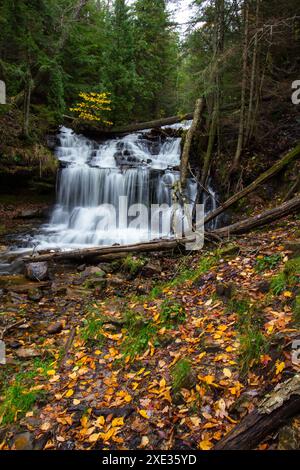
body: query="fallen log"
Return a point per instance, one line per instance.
(94, 130)
(199, 108)
(275, 410)
(119, 251)
(108, 252)
(259, 220)
(288, 158)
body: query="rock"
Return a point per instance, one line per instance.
(3, 248)
(35, 295)
(293, 246)
(1, 293)
(31, 214)
(151, 270)
(55, 328)
(26, 353)
(23, 441)
(93, 271)
(106, 267)
(225, 290)
(289, 436)
(81, 268)
(37, 271)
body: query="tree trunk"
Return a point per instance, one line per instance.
(286, 160)
(264, 218)
(94, 130)
(199, 108)
(112, 252)
(241, 135)
(26, 104)
(253, 83)
(272, 413)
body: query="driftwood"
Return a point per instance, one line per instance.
(272, 413)
(288, 158)
(259, 220)
(199, 108)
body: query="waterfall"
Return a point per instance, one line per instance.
(94, 178)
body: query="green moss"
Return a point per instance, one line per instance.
(172, 313)
(181, 375)
(296, 310)
(132, 264)
(20, 395)
(139, 334)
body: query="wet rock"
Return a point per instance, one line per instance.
(3, 248)
(93, 271)
(23, 441)
(31, 214)
(55, 328)
(37, 271)
(151, 269)
(27, 353)
(35, 295)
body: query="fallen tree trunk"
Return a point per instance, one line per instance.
(259, 220)
(113, 252)
(199, 108)
(288, 158)
(95, 130)
(272, 413)
(108, 252)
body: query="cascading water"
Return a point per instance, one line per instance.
(93, 179)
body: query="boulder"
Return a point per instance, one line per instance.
(27, 353)
(225, 290)
(151, 269)
(37, 271)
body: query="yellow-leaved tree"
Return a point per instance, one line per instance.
(93, 107)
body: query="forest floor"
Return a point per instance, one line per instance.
(167, 352)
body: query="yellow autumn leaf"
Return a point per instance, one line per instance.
(51, 372)
(94, 437)
(144, 414)
(205, 445)
(117, 422)
(279, 367)
(227, 372)
(288, 294)
(105, 436)
(69, 393)
(76, 401)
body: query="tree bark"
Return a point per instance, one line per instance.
(286, 160)
(272, 413)
(199, 108)
(241, 135)
(264, 218)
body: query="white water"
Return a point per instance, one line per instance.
(94, 177)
